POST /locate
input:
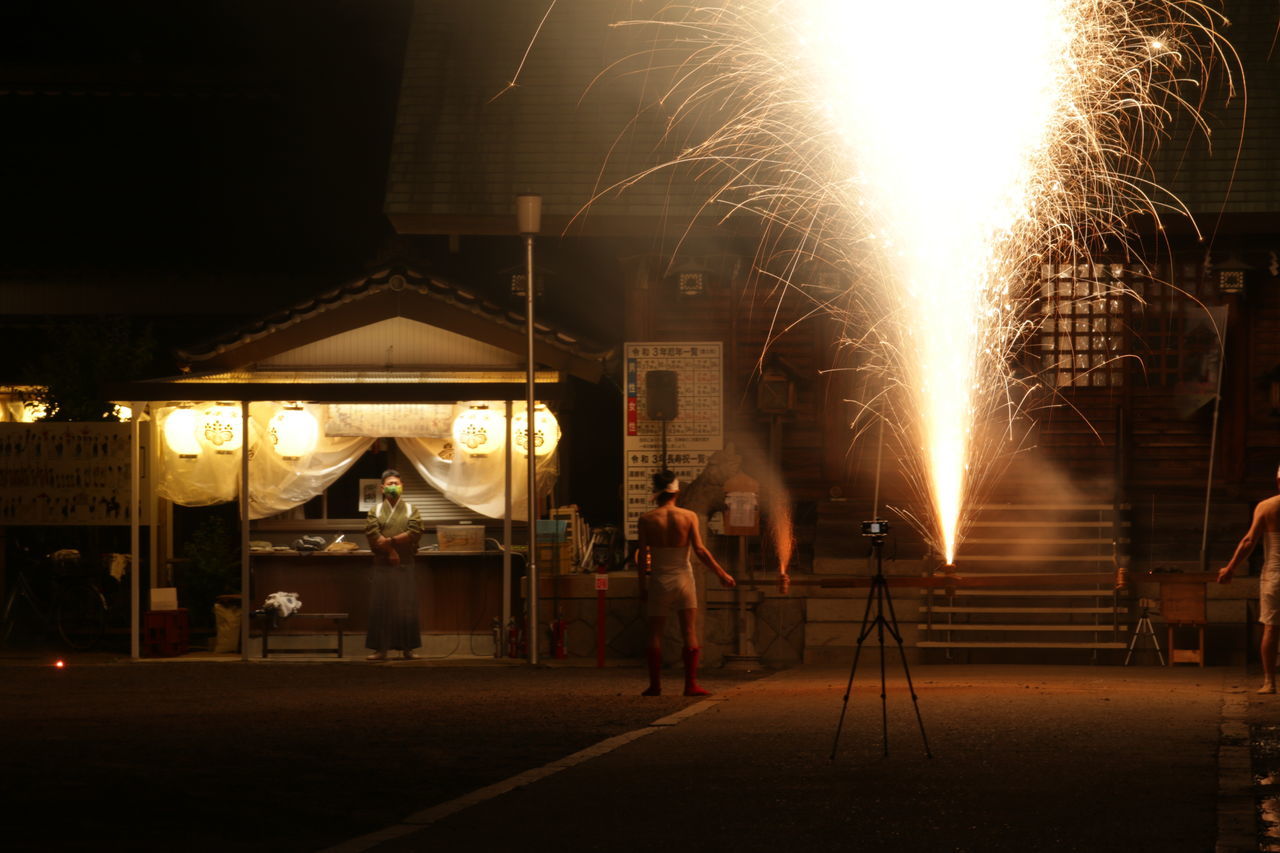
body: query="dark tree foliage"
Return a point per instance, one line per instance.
(80, 358)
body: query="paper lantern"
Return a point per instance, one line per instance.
(478, 431)
(180, 433)
(220, 428)
(546, 431)
(294, 432)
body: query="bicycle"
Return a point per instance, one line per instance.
(66, 601)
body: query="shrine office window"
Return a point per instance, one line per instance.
(1084, 322)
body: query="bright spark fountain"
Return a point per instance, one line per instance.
(937, 153)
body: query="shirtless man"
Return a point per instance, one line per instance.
(667, 535)
(1265, 527)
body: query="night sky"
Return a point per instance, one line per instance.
(227, 136)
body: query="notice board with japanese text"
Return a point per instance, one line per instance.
(696, 431)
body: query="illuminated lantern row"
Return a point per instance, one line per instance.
(546, 431)
(293, 432)
(480, 430)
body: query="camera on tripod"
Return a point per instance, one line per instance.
(875, 528)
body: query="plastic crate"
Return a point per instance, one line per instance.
(552, 530)
(165, 633)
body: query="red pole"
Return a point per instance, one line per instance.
(602, 586)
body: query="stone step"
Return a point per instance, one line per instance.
(1046, 628)
(1014, 644)
(1035, 593)
(1064, 611)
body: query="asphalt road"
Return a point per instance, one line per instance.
(310, 756)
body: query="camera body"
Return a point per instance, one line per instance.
(875, 527)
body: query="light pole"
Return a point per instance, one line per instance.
(529, 221)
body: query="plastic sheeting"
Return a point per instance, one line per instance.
(202, 479)
(478, 482)
(278, 484)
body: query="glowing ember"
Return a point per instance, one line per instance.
(936, 154)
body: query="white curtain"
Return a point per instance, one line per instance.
(277, 484)
(203, 479)
(477, 482)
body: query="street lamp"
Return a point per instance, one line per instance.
(529, 222)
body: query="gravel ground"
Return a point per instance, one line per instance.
(295, 756)
(282, 757)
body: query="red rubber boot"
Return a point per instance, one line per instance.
(691, 687)
(655, 673)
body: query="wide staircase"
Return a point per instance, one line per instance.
(1033, 577)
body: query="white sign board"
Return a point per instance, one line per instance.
(65, 473)
(696, 432)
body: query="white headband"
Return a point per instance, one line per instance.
(673, 486)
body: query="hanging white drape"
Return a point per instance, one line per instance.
(202, 479)
(277, 484)
(477, 482)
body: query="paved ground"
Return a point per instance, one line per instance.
(311, 756)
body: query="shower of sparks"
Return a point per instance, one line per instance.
(936, 154)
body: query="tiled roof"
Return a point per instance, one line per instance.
(392, 291)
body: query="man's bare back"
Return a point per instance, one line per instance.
(668, 526)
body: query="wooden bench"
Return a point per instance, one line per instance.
(270, 621)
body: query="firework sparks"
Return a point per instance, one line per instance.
(936, 153)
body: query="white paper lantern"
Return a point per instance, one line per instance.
(546, 431)
(294, 432)
(180, 430)
(478, 431)
(220, 428)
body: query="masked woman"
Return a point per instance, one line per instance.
(393, 528)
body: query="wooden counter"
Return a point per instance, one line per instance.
(457, 590)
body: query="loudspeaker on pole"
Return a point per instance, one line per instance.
(662, 394)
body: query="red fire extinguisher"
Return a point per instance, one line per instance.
(559, 627)
(515, 639)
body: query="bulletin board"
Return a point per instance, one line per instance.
(693, 435)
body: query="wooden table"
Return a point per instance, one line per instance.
(458, 592)
(1182, 603)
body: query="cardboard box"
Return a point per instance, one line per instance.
(460, 537)
(557, 558)
(164, 598)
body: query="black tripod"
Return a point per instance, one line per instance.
(879, 594)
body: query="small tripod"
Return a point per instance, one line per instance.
(879, 594)
(1144, 629)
